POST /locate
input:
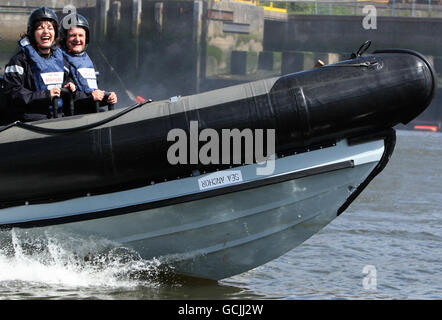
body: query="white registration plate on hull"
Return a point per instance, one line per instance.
(220, 179)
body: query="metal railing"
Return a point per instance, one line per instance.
(395, 8)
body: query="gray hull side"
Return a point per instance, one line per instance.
(282, 217)
(226, 235)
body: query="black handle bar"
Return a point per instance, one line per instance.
(109, 105)
(66, 93)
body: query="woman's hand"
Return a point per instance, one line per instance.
(70, 86)
(55, 92)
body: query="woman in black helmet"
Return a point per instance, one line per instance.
(35, 75)
(75, 36)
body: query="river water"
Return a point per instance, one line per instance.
(387, 245)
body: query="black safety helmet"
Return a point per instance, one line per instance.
(72, 21)
(41, 14)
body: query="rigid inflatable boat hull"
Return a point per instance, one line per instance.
(221, 231)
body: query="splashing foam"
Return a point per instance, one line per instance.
(49, 259)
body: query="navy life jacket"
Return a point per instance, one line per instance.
(83, 71)
(47, 73)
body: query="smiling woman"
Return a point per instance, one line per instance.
(42, 21)
(34, 76)
(44, 36)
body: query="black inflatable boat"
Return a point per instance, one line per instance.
(109, 174)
